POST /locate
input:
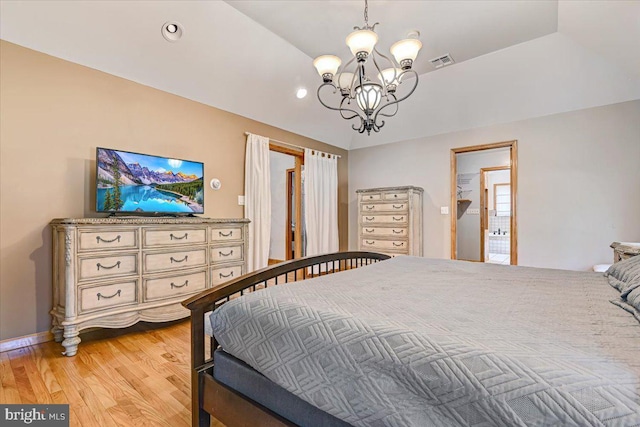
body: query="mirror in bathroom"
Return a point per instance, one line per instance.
(483, 195)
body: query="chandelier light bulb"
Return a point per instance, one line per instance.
(344, 80)
(327, 66)
(361, 43)
(301, 93)
(405, 51)
(369, 96)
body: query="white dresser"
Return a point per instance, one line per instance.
(114, 272)
(390, 220)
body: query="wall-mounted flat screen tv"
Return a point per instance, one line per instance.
(140, 183)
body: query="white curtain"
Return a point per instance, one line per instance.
(320, 202)
(257, 200)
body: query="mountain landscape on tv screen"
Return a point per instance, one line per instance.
(147, 183)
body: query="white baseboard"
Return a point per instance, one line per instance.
(25, 341)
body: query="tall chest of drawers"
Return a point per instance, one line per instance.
(114, 272)
(390, 220)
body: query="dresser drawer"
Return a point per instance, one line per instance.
(224, 234)
(171, 286)
(399, 245)
(384, 231)
(227, 253)
(371, 196)
(385, 207)
(176, 236)
(400, 195)
(174, 260)
(107, 266)
(385, 219)
(92, 240)
(222, 274)
(103, 296)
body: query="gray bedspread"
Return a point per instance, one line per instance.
(424, 342)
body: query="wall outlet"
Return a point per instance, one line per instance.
(241, 200)
(444, 210)
(473, 211)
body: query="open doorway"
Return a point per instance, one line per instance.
(483, 201)
(286, 203)
(495, 214)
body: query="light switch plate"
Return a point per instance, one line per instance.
(241, 200)
(444, 210)
(473, 211)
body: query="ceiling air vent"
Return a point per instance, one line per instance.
(442, 61)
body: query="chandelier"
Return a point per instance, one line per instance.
(372, 93)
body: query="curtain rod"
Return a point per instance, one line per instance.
(298, 146)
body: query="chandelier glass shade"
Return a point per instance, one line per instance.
(367, 91)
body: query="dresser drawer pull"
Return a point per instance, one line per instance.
(370, 242)
(222, 276)
(369, 230)
(100, 239)
(110, 296)
(369, 207)
(398, 244)
(371, 197)
(179, 260)
(173, 285)
(396, 232)
(117, 264)
(227, 254)
(397, 219)
(395, 195)
(398, 207)
(186, 235)
(369, 218)
(229, 234)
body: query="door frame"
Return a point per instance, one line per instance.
(299, 161)
(513, 150)
(484, 218)
(290, 186)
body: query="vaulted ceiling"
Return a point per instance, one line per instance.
(514, 59)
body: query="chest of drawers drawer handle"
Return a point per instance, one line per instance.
(369, 207)
(222, 276)
(186, 236)
(397, 219)
(398, 245)
(398, 207)
(110, 296)
(370, 197)
(229, 234)
(370, 242)
(395, 195)
(227, 254)
(369, 218)
(369, 230)
(179, 260)
(108, 267)
(173, 285)
(100, 239)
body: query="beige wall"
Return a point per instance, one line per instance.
(54, 114)
(578, 183)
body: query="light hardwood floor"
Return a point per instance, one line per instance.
(134, 376)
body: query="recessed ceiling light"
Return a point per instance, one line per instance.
(301, 93)
(172, 31)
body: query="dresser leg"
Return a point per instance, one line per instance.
(57, 332)
(71, 340)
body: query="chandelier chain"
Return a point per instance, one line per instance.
(366, 13)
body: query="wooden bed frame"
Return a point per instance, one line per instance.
(209, 397)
